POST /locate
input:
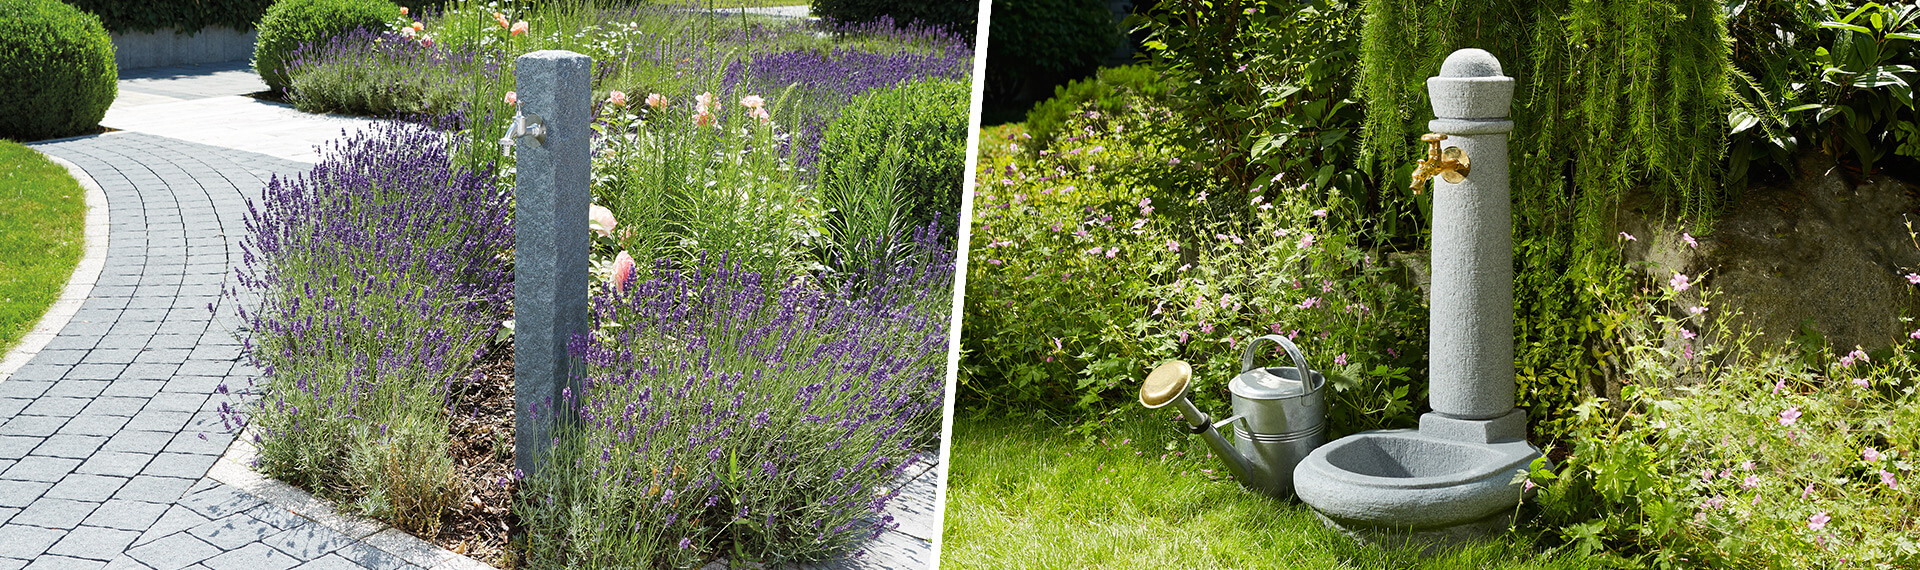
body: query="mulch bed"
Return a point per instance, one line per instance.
(481, 429)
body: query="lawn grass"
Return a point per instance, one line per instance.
(1138, 493)
(42, 232)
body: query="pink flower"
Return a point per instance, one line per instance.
(1321, 213)
(1687, 334)
(1311, 302)
(656, 100)
(1886, 478)
(1789, 416)
(1094, 251)
(1340, 360)
(761, 114)
(1861, 382)
(1183, 337)
(1859, 356)
(1750, 482)
(618, 99)
(1306, 241)
(519, 28)
(1808, 492)
(1915, 334)
(512, 99)
(1746, 465)
(1112, 251)
(703, 118)
(622, 271)
(1697, 310)
(600, 220)
(1913, 278)
(1680, 282)
(502, 19)
(1818, 521)
(1686, 237)
(753, 102)
(417, 26)
(1628, 236)
(1870, 454)
(703, 102)
(1781, 385)
(403, 10)
(1173, 245)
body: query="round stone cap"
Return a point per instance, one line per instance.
(1470, 62)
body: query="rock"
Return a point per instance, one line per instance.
(1814, 251)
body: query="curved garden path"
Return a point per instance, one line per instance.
(111, 449)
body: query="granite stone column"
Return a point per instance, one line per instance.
(550, 243)
(1472, 293)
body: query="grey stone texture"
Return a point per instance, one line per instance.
(135, 50)
(550, 241)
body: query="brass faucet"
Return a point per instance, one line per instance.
(1451, 165)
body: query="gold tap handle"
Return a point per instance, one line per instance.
(1451, 165)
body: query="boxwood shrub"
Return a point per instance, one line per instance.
(56, 69)
(186, 16)
(958, 16)
(292, 23)
(929, 120)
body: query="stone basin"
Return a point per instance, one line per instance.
(1407, 481)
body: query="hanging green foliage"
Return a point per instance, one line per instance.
(1611, 95)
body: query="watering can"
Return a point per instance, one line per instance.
(1279, 415)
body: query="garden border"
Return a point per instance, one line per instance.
(93, 260)
(233, 470)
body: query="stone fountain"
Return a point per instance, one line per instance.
(1453, 478)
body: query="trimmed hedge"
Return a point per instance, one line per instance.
(291, 23)
(957, 16)
(57, 72)
(1111, 91)
(930, 119)
(185, 16)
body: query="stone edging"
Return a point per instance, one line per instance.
(234, 470)
(93, 260)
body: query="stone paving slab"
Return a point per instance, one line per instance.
(167, 84)
(237, 122)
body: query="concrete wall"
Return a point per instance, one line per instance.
(169, 48)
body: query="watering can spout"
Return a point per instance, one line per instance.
(1167, 385)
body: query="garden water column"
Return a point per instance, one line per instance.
(550, 240)
(1452, 479)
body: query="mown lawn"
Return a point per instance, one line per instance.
(1137, 493)
(42, 224)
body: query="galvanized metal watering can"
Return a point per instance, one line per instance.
(1279, 415)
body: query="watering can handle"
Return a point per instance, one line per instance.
(1299, 361)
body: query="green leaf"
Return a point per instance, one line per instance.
(1844, 26)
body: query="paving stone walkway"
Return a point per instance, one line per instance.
(107, 434)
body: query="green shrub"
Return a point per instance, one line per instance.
(928, 120)
(959, 16)
(1762, 459)
(292, 23)
(1093, 262)
(186, 16)
(1109, 92)
(56, 69)
(1040, 43)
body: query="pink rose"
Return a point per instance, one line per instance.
(622, 271)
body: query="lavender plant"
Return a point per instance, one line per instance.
(719, 418)
(379, 277)
(369, 72)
